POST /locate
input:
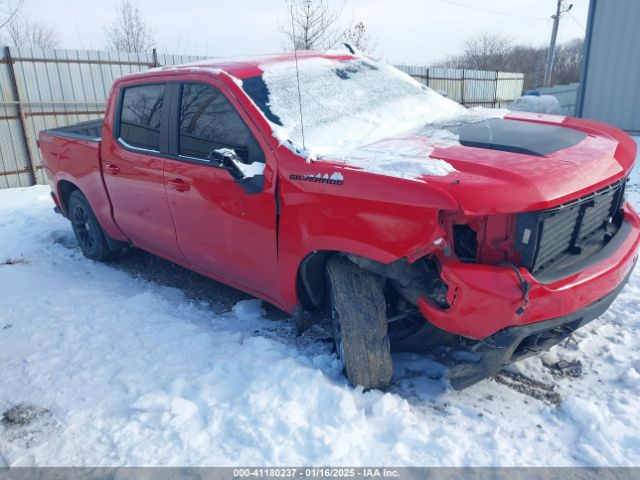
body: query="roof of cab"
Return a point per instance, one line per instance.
(244, 67)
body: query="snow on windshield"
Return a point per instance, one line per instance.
(345, 104)
(365, 114)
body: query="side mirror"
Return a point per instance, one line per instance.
(228, 158)
(249, 177)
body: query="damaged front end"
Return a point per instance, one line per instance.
(485, 358)
(518, 284)
(500, 287)
(507, 286)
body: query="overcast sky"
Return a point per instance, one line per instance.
(408, 31)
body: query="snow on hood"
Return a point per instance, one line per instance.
(408, 155)
(405, 157)
(361, 112)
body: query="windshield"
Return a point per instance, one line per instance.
(345, 104)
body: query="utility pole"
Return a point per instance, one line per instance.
(554, 35)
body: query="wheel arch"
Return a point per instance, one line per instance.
(310, 278)
(65, 189)
(408, 278)
(114, 236)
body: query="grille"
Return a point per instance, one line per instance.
(549, 238)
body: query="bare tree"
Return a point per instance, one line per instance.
(568, 61)
(129, 32)
(530, 61)
(31, 34)
(312, 24)
(487, 52)
(482, 52)
(494, 52)
(8, 10)
(360, 38)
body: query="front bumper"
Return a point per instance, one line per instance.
(516, 343)
(485, 299)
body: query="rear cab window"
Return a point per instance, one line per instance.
(141, 116)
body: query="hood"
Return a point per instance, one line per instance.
(517, 163)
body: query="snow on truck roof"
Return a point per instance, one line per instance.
(244, 67)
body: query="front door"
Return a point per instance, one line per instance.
(133, 169)
(222, 229)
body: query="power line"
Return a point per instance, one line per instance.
(576, 21)
(450, 2)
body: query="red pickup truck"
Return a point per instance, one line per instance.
(334, 186)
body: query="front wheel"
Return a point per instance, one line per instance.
(89, 234)
(359, 320)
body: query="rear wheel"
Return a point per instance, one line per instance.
(89, 234)
(359, 321)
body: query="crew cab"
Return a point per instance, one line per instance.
(336, 187)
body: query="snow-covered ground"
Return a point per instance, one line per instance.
(112, 369)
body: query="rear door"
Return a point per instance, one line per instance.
(222, 229)
(133, 167)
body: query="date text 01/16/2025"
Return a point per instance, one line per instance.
(315, 472)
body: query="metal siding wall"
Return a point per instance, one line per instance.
(612, 86)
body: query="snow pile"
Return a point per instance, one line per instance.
(248, 310)
(116, 370)
(537, 104)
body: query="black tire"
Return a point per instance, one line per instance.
(359, 321)
(89, 234)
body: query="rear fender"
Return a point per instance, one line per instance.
(93, 189)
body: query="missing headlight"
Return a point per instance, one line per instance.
(465, 243)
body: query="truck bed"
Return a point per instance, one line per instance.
(71, 157)
(90, 130)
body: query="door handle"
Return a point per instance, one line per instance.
(112, 168)
(179, 185)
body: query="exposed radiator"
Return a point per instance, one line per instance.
(544, 238)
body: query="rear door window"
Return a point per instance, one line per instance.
(208, 122)
(141, 115)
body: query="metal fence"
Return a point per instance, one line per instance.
(567, 96)
(42, 89)
(470, 87)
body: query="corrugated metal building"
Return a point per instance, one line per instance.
(610, 84)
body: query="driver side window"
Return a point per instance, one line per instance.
(208, 121)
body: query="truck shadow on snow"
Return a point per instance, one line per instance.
(140, 264)
(198, 288)
(420, 376)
